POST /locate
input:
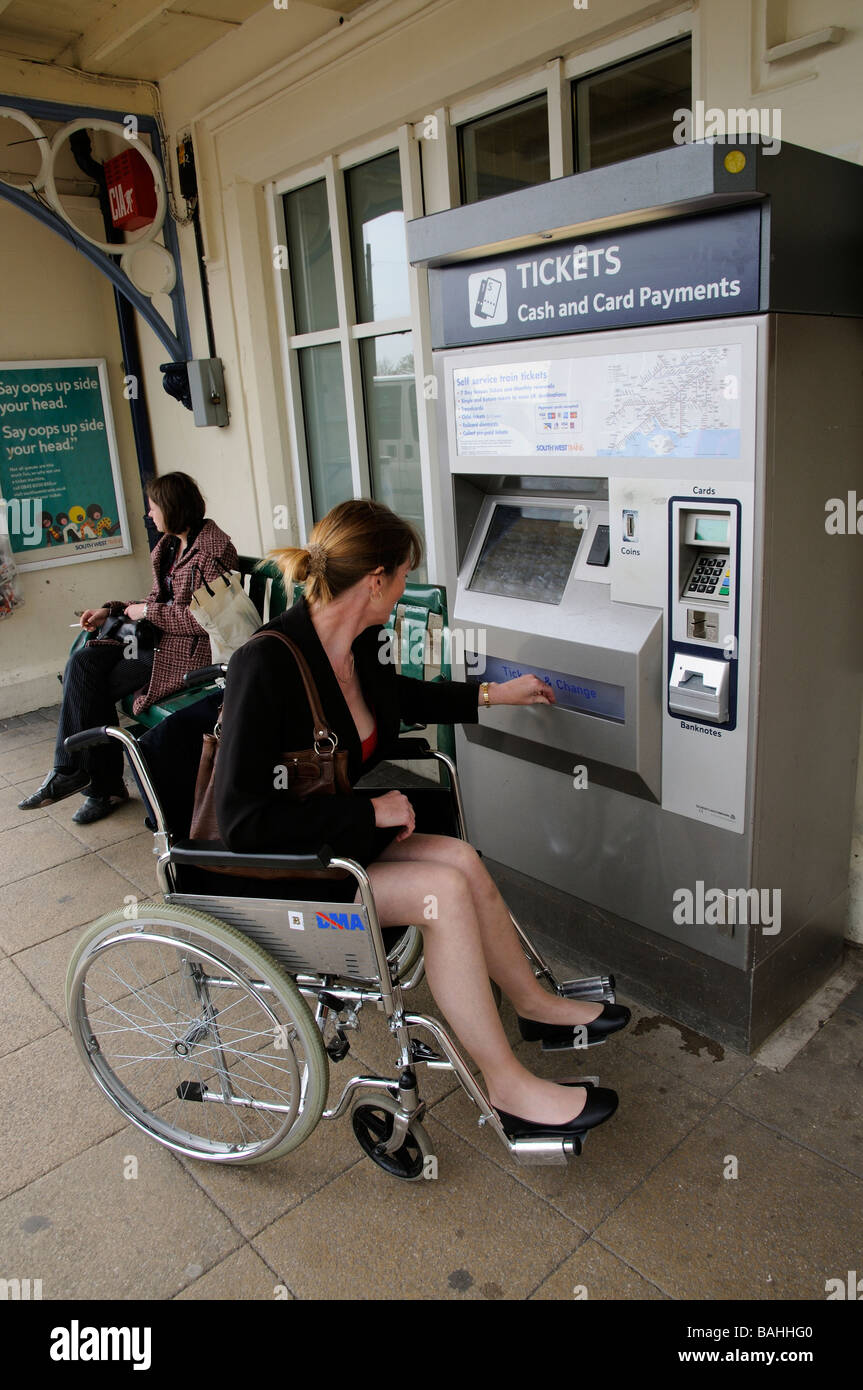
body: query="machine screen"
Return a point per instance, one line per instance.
(712, 529)
(527, 553)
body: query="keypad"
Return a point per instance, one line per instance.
(710, 576)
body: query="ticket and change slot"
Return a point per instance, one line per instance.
(534, 580)
(599, 698)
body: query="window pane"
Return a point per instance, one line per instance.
(504, 151)
(310, 253)
(325, 416)
(628, 110)
(391, 416)
(378, 244)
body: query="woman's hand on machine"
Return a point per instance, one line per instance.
(93, 618)
(394, 809)
(524, 690)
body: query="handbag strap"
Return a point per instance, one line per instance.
(198, 580)
(322, 728)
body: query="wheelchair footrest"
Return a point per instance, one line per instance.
(572, 1045)
(546, 1152)
(598, 987)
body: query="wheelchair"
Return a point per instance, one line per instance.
(210, 1019)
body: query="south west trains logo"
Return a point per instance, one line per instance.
(341, 921)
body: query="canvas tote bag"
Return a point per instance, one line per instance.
(225, 612)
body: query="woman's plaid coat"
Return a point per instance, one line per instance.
(182, 644)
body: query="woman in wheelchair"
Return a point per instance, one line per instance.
(354, 570)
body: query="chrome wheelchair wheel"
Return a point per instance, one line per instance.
(196, 1034)
(372, 1123)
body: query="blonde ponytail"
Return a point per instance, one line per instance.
(351, 541)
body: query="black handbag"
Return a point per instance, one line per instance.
(123, 629)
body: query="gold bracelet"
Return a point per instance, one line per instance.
(483, 690)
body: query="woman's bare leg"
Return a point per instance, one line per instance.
(458, 977)
(507, 964)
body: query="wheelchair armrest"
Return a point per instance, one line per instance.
(210, 854)
(204, 675)
(87, 737)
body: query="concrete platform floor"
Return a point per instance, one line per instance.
(717, 1179)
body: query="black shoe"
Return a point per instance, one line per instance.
(611, 1020)
(600, 1105)
(98, 807)
(56, 787)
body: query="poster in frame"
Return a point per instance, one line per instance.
(59, 465)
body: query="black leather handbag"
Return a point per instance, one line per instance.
(123, 629)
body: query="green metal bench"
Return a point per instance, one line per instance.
(414, 620)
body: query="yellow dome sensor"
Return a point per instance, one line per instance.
(735, 160)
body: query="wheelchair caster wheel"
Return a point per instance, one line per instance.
(373, 1124)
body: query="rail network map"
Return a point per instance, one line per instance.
(675, 403)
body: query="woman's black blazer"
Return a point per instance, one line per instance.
(266, 714)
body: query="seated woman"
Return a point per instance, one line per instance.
(354, 570)
(103, 671)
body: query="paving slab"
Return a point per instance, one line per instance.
(10, 816)
(25, 1016)
(49, 903)
(45, 965)
(122, 824)
(29, 763)
(255, 1196)
(23, 735)
(89, 1231)
(701, 1061)
(134, 858)
(52, 1110)
(818, 1099)
(786, 1224)
(593, 1273)
(475, 1232)
(38, 845)
(242, 1275)
(656, 1111)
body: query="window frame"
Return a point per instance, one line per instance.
(554, 78)
(348, 333)
(608, 67)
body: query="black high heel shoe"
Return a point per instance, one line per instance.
(600, 1105)
(611, 1020)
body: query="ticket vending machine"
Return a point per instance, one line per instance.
(634, 507)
